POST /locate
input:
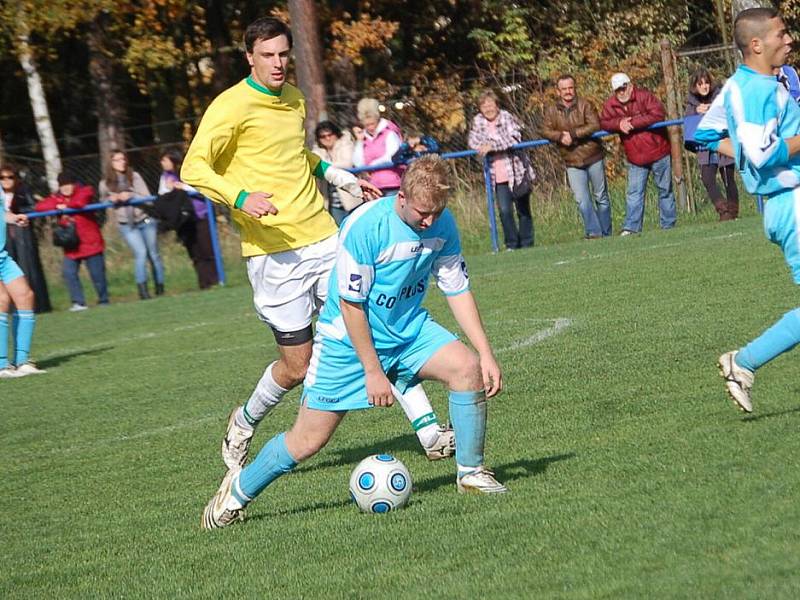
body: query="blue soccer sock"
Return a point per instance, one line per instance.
(781, 337)
(468, 414)
(273, 461)
(23, 325)
(3, 340)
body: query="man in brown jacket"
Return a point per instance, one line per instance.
(569, 124)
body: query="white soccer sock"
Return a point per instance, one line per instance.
(419, 411)
(264, 398)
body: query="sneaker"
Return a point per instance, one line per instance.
(78, 307)
(9, 372)
(236, 443)
(444, 446)
(480, 481)
(738, 381)
(223, 509)
(29, 368)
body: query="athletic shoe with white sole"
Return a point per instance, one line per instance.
(738, 381)
(29, 368)
(223, 509)
(445, 445)
(9, 372)
(480, 481)
(236, 443)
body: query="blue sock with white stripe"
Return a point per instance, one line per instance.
(3, 340)
(468, 415)
(273, 461)
(23, 324)
(781, 337)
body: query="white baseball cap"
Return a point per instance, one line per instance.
(618, 80)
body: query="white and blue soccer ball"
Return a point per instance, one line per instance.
(380, 483)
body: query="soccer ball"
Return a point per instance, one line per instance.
(380, 483)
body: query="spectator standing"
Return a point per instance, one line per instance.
(570, 123)
(91, 246)
(414, 146)
(21, 241)
(376, 144)
(702, 91)
(336, 147)
(194, 232)
(493, 132)
(628, 112)
(140, 232)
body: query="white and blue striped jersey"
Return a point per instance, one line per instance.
(385, 265)
(757, 112)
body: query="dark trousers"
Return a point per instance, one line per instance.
(514, 237)
(196, 237)
(727, 207)
(97, 272)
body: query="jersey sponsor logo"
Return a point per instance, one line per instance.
(408, 291)
(355, 283)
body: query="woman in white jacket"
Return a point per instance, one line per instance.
(335, 146)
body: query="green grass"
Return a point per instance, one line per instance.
(631, 474)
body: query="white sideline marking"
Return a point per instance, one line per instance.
(559, 325)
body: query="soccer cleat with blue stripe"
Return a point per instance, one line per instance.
(738, 381)
(444, 446)
(236, 443)
(480, 481)
(223, 509)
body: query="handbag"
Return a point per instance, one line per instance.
(524, 187)
(65, 235)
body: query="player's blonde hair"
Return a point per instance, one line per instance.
(425, 181)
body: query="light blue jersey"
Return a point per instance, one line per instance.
(758, 114)
(386, 266)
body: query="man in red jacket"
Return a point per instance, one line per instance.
(629, 111)
(90, 240)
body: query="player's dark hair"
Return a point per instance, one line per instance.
(265, 28)
(751, 23)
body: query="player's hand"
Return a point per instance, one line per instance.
(370, 191)
(379, 390)
(492, 377)
(257, 205)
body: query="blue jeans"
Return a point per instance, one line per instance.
(515, 238)
(596, 216)
(142, 238)
(97, 272)
(637, 183)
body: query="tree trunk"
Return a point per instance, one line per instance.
(110, 136)
(310, 78)
(227, 65)
(41, 114)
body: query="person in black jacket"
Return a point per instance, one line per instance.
(21, 242)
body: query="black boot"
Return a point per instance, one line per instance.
(159, 289)
(143, 293)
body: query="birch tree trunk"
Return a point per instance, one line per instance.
(41, 114)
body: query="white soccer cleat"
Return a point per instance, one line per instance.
(9, 372)
(78, 307)
(738, 381)
(29, 368)
(236, 443)
(480, 481)
(444, 446)
(223, 509)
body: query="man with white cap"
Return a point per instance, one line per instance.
(629, 111)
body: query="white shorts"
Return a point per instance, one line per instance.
(289, 287)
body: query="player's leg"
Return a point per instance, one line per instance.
(24, 322)
(442, 357)
(309, 434)
(738, 367)
(6, 369)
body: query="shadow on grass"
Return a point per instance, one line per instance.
(506, 473)
(336, 458)
(54, 361)
(777, 413)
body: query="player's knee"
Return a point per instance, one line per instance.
(307, 444)
(468, 372)
(5, 300)
(25, 299)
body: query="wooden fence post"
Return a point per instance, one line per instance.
(674, 131)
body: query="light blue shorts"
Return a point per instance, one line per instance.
(781, 220)
(335, 379)
(9, 270)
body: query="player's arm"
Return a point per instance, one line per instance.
(15, 219)
(465, 310)
(379, 389)
(215, 135)
(341, 178)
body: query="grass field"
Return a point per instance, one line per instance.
(631, 474)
